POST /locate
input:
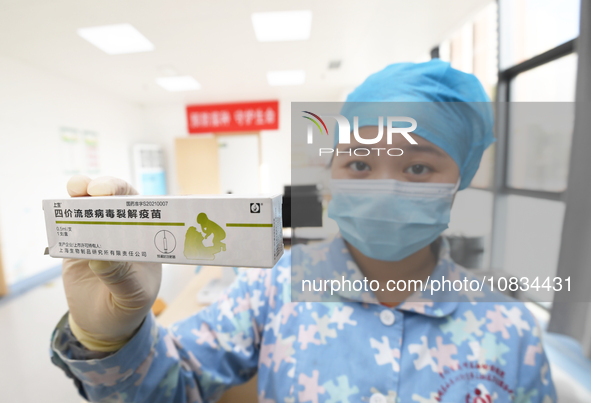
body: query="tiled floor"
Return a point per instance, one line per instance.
(26, 322)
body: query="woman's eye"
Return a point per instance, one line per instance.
(418, 169)
(359, 166)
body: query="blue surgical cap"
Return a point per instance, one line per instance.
(451, 108)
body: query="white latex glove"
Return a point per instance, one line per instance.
(108, 300)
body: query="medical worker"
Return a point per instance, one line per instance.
(447, 346)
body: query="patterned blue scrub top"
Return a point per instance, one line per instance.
(426, 350)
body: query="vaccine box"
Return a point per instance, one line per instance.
(218, 230)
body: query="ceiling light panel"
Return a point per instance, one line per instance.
(281, 26)
(178, 83)
(286, 77)
(117, 39)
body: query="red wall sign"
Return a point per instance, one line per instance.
(234, 117)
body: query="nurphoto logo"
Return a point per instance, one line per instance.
(344, 133)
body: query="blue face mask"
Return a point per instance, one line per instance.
(386, 219)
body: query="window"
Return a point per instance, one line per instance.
(537, 76)
(534, 228)
(550, 82)
(539, 149)
(532, 27)
(523, 53)
(539, 154)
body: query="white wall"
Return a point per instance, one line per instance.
(276, 151)
(34, 104)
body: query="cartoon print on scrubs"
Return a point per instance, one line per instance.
(194, 248)
(425, 350)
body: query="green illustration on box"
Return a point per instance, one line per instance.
(194, 248)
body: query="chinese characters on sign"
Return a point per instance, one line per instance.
(145, 213)
(96, 249)
(109, 213)
(235, 117)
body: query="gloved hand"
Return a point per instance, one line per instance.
(108, 300)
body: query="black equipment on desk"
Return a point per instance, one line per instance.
(302, 206)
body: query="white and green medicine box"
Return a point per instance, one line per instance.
(218, 230)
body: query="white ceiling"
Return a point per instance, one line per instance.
(214, 41)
